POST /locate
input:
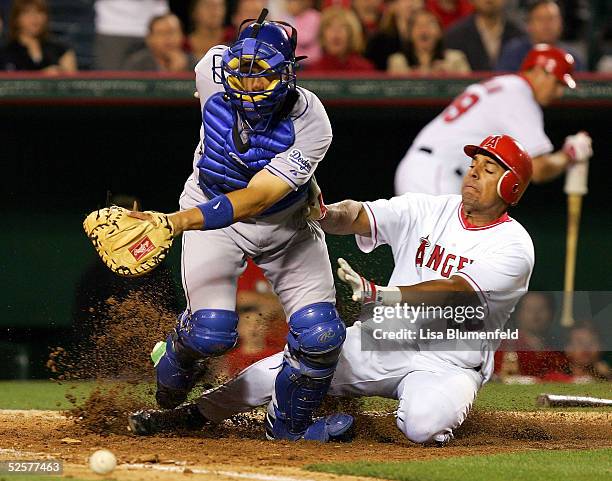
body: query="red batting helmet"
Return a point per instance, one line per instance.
(512, 155)
(553, 60)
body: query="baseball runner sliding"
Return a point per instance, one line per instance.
(442, 245)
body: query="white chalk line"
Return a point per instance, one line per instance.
(16, 452)
(171, 469)
(234, 474)
(32, 412)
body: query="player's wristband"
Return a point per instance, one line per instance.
(388, 296)
(380, 296)
(218, 213)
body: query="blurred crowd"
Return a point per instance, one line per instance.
(542, 353)
(396, 36)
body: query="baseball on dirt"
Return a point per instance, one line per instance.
(102, 461)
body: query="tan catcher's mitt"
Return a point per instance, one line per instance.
(130, 247)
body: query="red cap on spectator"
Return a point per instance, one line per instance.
(553, 60)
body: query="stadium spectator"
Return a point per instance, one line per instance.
(164, 51)
(244, 9)
(121, 28)
(278, 10)
(482, 35)
(583, 353)
(341, 40)
(335, 3)
(534, 356)
(29, 46)
(306, 20)
(369, 13)
(449, 11)
(544, 25)
(393, 34)
(208, 18)
(425, 52)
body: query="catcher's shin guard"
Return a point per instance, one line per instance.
(205, 333)
(316, 335)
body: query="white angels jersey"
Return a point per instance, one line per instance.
(431, 239)
(435, 163)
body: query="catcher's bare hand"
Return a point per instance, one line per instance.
(141, 215)
(315, 207)
(130, 243)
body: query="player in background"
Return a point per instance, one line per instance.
(261, 140)
(443, 246)
(507, 104)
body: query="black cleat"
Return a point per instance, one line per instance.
(153, 421)
(442, 439)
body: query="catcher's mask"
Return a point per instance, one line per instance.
(263, 49)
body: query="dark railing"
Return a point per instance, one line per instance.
(335, 88)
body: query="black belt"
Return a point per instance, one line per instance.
(427, 150)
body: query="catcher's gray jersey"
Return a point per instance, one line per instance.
(290, 250)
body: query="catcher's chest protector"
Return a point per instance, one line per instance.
(227, 163)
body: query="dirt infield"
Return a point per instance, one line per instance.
(239, 450)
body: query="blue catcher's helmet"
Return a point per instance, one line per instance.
(263, 49)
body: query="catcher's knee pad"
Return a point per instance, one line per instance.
(207, 332)
(316, 334)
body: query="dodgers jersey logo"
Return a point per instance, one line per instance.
(439, 259)
(303, 163)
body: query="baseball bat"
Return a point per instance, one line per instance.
(575, 188)
(557, 400)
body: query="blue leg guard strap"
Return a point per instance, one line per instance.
(169, 371)
(316, 335)
(205, 333)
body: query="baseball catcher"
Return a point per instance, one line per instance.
(262, 138)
